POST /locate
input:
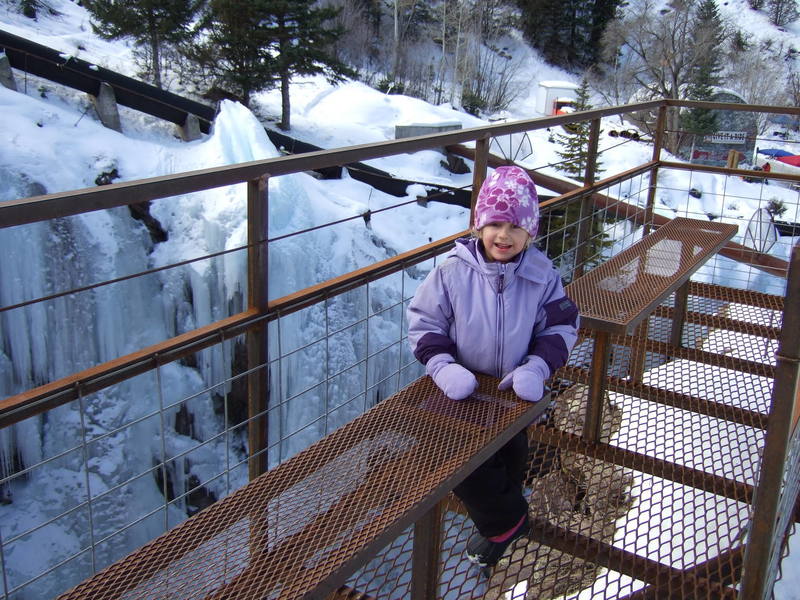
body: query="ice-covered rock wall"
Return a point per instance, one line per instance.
(113, 442)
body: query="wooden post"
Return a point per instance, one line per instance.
(257, 297)
(733, 159)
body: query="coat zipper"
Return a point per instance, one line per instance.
(500, 340)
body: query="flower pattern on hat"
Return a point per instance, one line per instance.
(508, 195)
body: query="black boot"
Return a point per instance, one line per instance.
(486, 553)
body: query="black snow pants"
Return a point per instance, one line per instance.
(492, 493)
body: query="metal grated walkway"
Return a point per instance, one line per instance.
(656, 508)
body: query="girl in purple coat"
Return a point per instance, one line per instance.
(496, 305)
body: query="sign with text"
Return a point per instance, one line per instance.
(726, 137)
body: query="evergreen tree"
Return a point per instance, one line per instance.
(707, 40)
(151, 24)
(238, 46)
(739, 41)
(567, 32)
(560, 226)
(302, 37)
(602, 12)
(575, 140)
(257, 44)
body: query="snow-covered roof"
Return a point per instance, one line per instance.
(559, 84)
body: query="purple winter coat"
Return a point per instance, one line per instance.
(491, 316)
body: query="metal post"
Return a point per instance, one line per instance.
(679, 314)
(591, 152)
(597, 387)
(651, 193)
(425, 555)
(681, 300)
(639, 351)
(764, 539)
(257, 297)
(586, 201)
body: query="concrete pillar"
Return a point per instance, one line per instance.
(105, 103)
(6, 74)
(190, 130)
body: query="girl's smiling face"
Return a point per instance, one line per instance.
(503, 240)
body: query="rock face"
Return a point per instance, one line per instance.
(141, 212)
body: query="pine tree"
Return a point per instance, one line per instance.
(302, 36)
(253, 45)
(31, 8)
(575, 141)
(602, 12)
(548, 26)
(707, 40)
(567, 32)
(561, 226)
(238, 46)
(151, 24)
(700, 120)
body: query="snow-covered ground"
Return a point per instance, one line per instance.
(50, 143)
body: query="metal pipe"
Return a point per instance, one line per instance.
(62, 204)
(46, 397)
(478, 172)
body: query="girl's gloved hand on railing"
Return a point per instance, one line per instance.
(527, 379)
(454, 380)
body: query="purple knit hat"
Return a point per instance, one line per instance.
(508, 195)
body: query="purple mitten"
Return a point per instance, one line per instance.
(454, 380)
(527, 379)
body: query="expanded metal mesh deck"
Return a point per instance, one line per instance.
(657, 508)
(621, 291)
